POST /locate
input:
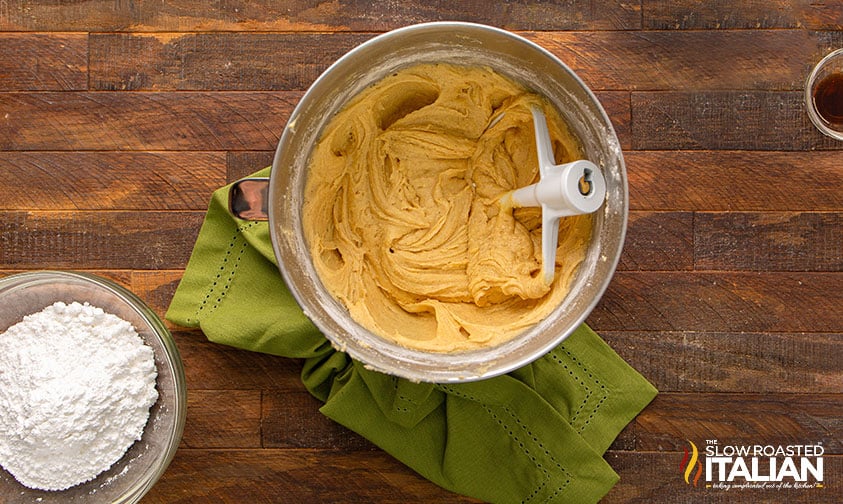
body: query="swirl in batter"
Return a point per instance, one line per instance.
(402, 217)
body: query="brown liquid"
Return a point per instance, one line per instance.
(828, 97)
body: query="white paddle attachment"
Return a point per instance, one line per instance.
(562, 191)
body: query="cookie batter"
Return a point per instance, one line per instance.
(402, 211)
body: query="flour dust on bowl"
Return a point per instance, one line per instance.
(94, 395)
(444, 45)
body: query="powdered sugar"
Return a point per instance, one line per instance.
(76, 386)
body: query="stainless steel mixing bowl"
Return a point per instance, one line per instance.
(463, 44)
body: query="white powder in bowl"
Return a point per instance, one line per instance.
(76, 386)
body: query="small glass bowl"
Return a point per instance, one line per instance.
(830, 64)
(132, 476)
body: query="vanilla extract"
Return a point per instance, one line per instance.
(828, 98)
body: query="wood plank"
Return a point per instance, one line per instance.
(734, 180)
(656, 477)
(119, 121)
(43, 61)
(724, 120)
(211, 366)
(223, 419)
(311, 15)
(219, 61)
(658, 241)
(730, 15)
(721, 302)
(236, 476)
(701, 361)
(687, 60)
(612, 60)
(716, 361)
(98, 239)
(617, 107)
(156, 288)
(768, 241)
(243, 164)
(110, 180)
(170, 121)
(291, 419)
(732, 361)
(704, 361)
(728, 292)
(741, 419)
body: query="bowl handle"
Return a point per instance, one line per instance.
(247, 199)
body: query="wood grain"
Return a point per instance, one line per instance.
(612, 60)
(156, 288)
(118, 121)
(223, 419)
(743, 418)
(270, 475)
(99, 240)
(687, 60)
(617, 107)
(110, 180)
(734, 361)
(726, 15)
(721, 302)
(726, 361)
(312, 15)
(171, 121)
(659, 241)
(727, 180)
(221, 61)
(724, 120)
(291, 419)
(768, 241)
(210, 366)
(43, 62)
(243, 164)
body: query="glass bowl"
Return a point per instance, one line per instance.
(142, 465)
(826, 78)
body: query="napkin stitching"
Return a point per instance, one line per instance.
(579, 381)
(224, 262)
(401, 397)
(234, 268)
(526, 451)
(514, 437)
(210, 291)
(596, 382)
(588, 391)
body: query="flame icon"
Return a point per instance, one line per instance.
(690, 462)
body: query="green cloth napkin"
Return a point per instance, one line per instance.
(536, 434)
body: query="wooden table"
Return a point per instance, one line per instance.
(118, 120)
